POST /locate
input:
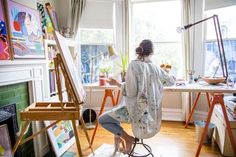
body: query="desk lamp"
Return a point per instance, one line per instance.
(218, 38)
(112, 55)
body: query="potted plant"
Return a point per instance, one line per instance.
(105, 67)
(123, 64)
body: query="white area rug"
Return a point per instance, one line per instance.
(106, 150)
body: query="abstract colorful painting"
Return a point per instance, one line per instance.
(5, 142)
(26, 31)
(61, 136)
(53, 16)
(4, 44)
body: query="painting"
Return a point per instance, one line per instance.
(25, 31)
(43, 19)
(5, 143)
(5, 53)
(61, 136)
(53, 16)
(70, 68)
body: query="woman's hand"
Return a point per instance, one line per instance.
(112, 81)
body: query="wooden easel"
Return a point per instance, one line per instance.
(56, 111)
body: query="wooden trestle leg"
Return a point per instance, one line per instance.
(217, 99)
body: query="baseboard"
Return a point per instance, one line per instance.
(172, 114)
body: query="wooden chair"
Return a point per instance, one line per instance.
(58, 111)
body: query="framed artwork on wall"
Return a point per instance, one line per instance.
(25, 31)
(5, 142)
(5, 53)
(61, 136)
(53, 16)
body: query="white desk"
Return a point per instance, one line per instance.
(216, 92)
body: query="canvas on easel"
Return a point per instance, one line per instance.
(70, 67)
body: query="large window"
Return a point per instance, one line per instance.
(158, 20)
(94, 44)
(227, 21)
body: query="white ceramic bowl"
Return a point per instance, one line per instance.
(214, 80)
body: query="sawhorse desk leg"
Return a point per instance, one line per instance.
(217, 99)
(194, 105)
(108, 93)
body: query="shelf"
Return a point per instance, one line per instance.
(51, 50)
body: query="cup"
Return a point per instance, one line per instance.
(102, 81)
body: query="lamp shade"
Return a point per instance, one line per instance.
(112, 52)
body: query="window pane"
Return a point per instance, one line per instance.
(155, 21)
(169, 53)
(98, 36)
(91, 56)
(227, 21)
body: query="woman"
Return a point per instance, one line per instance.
(141, 106)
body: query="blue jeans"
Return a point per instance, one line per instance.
(110, 124)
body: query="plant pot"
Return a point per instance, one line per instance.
(102, 80)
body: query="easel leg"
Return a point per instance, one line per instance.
(101, 111)
(21, 136)
(192, 110)
(86, 133)
(77, 138)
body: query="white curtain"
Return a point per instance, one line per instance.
(187, 16)
(76, 8)
(127, 32)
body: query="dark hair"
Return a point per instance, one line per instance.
(145, 49)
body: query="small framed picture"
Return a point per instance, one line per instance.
(5, 142)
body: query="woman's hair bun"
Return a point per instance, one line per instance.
(139, 50)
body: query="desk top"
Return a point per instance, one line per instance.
(201, 87)
(195, 87)
(97, 86)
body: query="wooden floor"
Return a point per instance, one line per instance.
(172, 141)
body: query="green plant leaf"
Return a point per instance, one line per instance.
(124, 59)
